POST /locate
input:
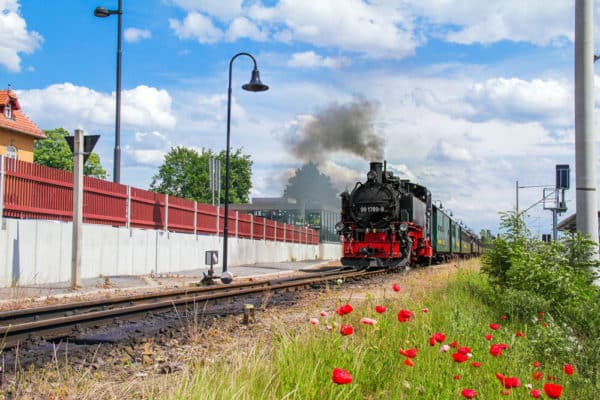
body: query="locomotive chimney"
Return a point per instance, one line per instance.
(376, 168)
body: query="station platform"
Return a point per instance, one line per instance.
(23, 296)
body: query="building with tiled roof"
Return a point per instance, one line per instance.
(17, 132)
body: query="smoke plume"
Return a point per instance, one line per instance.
(347, 128)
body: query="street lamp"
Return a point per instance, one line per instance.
(103, 13)
(255, 85)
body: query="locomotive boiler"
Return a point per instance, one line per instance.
(386, 222)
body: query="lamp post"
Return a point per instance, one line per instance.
(255, 85)
(103, 13)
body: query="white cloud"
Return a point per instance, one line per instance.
(146, 157)
(196, 26)
(310, 59)
(65, 105)
(15, 36)
(244, 28)
(133, 35)
(222, 9)
(445, 151)
(474, 21)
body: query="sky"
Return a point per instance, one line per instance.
(465, 97)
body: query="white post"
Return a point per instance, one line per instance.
(77, 209)
(585, 144)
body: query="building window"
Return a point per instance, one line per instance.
(11, 152)
(8, 111)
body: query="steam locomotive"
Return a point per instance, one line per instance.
(388, 222)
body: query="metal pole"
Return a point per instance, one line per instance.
(585, 172)
(77, 208)
(517, 192)
(117, 156)
(554, 223)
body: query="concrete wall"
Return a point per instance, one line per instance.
(38, 251)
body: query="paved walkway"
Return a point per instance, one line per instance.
(110, 285)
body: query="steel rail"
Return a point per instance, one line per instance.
(60, 320)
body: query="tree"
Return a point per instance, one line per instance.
(184, 173)
(310, 185)
(55, 152)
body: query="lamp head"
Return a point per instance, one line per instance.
(255, 85)
(101, 12)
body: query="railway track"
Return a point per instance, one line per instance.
(62, 321)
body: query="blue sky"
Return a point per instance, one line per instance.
(465, 97)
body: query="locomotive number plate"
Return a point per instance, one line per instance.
(364, 209)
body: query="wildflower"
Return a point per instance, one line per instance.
(405, 315)
(568, 368)
(506, 392)
(528, 386)
(464, 350)
(456, 377)
(476, 364)
(496, 350)
(537, 375)
(439, 337)
(510, 382)
(537, 364)
(541, 313)
(444, 348)
(323, 313)
(368, 321)
(459, 357)
(553, 390)
(314, 321)
(536, 393)
(468, 393)
(454, 344)
(341, 377)
(396, 287)
(346, 330)
(489, 337)
(411, 353)
(519, 334)
(409, 362)
(503, 318)
(345, 309)
(425, 310)
(380, 309)
(495, 326)
(431, 341)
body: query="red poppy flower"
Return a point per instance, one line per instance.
(396, 287)
(511, 382)
(345, 309)
(323, 313)
(468, 393)
(537, 375)
(541, 313)
(537, 364)
(519, 334)
(464, 350)
(476, 364)
(380, 309)
(536, 393)
(553, 390)
(545, 325)
(412, 353)
(496, 350)
(431, 341)
(314, 321)
(405, 315)
(456, 377)
(346, 330)
(503, 318)
(341, 377)
(368, 321)
(425, 310)
(409, 362)
(439, 337)
(568, 368)
(459, 357)
(489, 337)
(495, 326)
(454, 344)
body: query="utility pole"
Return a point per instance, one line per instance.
(585, 172)
(77, 208)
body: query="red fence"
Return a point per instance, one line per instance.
(36, 192)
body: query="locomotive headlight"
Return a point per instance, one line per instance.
(339, 226)
(371, 175)
(403, 227)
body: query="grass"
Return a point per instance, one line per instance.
(295, 359)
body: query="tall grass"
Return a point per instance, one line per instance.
(298, 362)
